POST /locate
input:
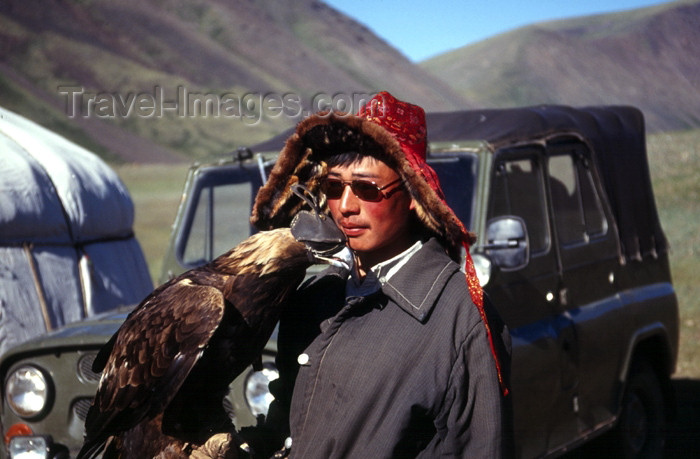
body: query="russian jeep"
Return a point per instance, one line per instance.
(570, 250)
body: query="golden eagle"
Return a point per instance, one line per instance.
(168, 367)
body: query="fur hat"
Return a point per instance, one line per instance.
(393, 131)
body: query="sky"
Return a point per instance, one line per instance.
(424, 28)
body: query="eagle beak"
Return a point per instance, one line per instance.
(341, 259)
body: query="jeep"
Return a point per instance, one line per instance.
(570, 250)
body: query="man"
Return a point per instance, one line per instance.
(397, 357)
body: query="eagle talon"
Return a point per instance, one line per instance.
(305, 194)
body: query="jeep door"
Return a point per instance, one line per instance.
(587, 244)
(528, 299)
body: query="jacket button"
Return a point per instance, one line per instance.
(303, 359)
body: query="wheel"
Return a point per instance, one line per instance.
(641, 428)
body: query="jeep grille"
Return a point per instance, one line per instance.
(80, 408)
(85, 368)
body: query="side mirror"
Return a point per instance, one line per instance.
(506, 242)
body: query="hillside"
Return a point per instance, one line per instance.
(646, 57)
(167, 80)
(177, 80)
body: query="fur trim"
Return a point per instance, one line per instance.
(301, 160)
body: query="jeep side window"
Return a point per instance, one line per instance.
(578, 214)
(517, 189)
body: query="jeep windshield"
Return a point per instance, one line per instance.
(457, 173)
(214, 214)
(215, 217)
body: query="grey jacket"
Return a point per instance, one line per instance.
(405, 372)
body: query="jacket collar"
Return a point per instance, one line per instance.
(433, 267)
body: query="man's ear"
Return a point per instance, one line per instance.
(412, 205)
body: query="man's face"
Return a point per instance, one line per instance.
(376, 231)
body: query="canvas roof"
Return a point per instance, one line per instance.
(55, 191)
(616, 136)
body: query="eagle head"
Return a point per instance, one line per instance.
(319, 233)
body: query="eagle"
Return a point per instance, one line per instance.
(167, 369)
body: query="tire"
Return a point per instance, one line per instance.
(641, 427)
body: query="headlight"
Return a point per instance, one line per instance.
(29, 448)
(482, 265)
(257, 392)
(27, 391)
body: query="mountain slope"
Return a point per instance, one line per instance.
(141, 80)
(646, 57)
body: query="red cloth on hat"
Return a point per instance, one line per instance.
(406, 123)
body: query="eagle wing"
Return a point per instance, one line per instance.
(153, 353)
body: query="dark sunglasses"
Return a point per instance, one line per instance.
(363, 189)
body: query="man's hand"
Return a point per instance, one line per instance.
(220, 446)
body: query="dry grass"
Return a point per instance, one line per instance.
(675, 167)
(155, 190)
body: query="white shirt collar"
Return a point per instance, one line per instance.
(379, 274)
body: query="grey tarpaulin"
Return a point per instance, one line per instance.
(67, 248)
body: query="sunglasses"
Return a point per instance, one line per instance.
(365, 190)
